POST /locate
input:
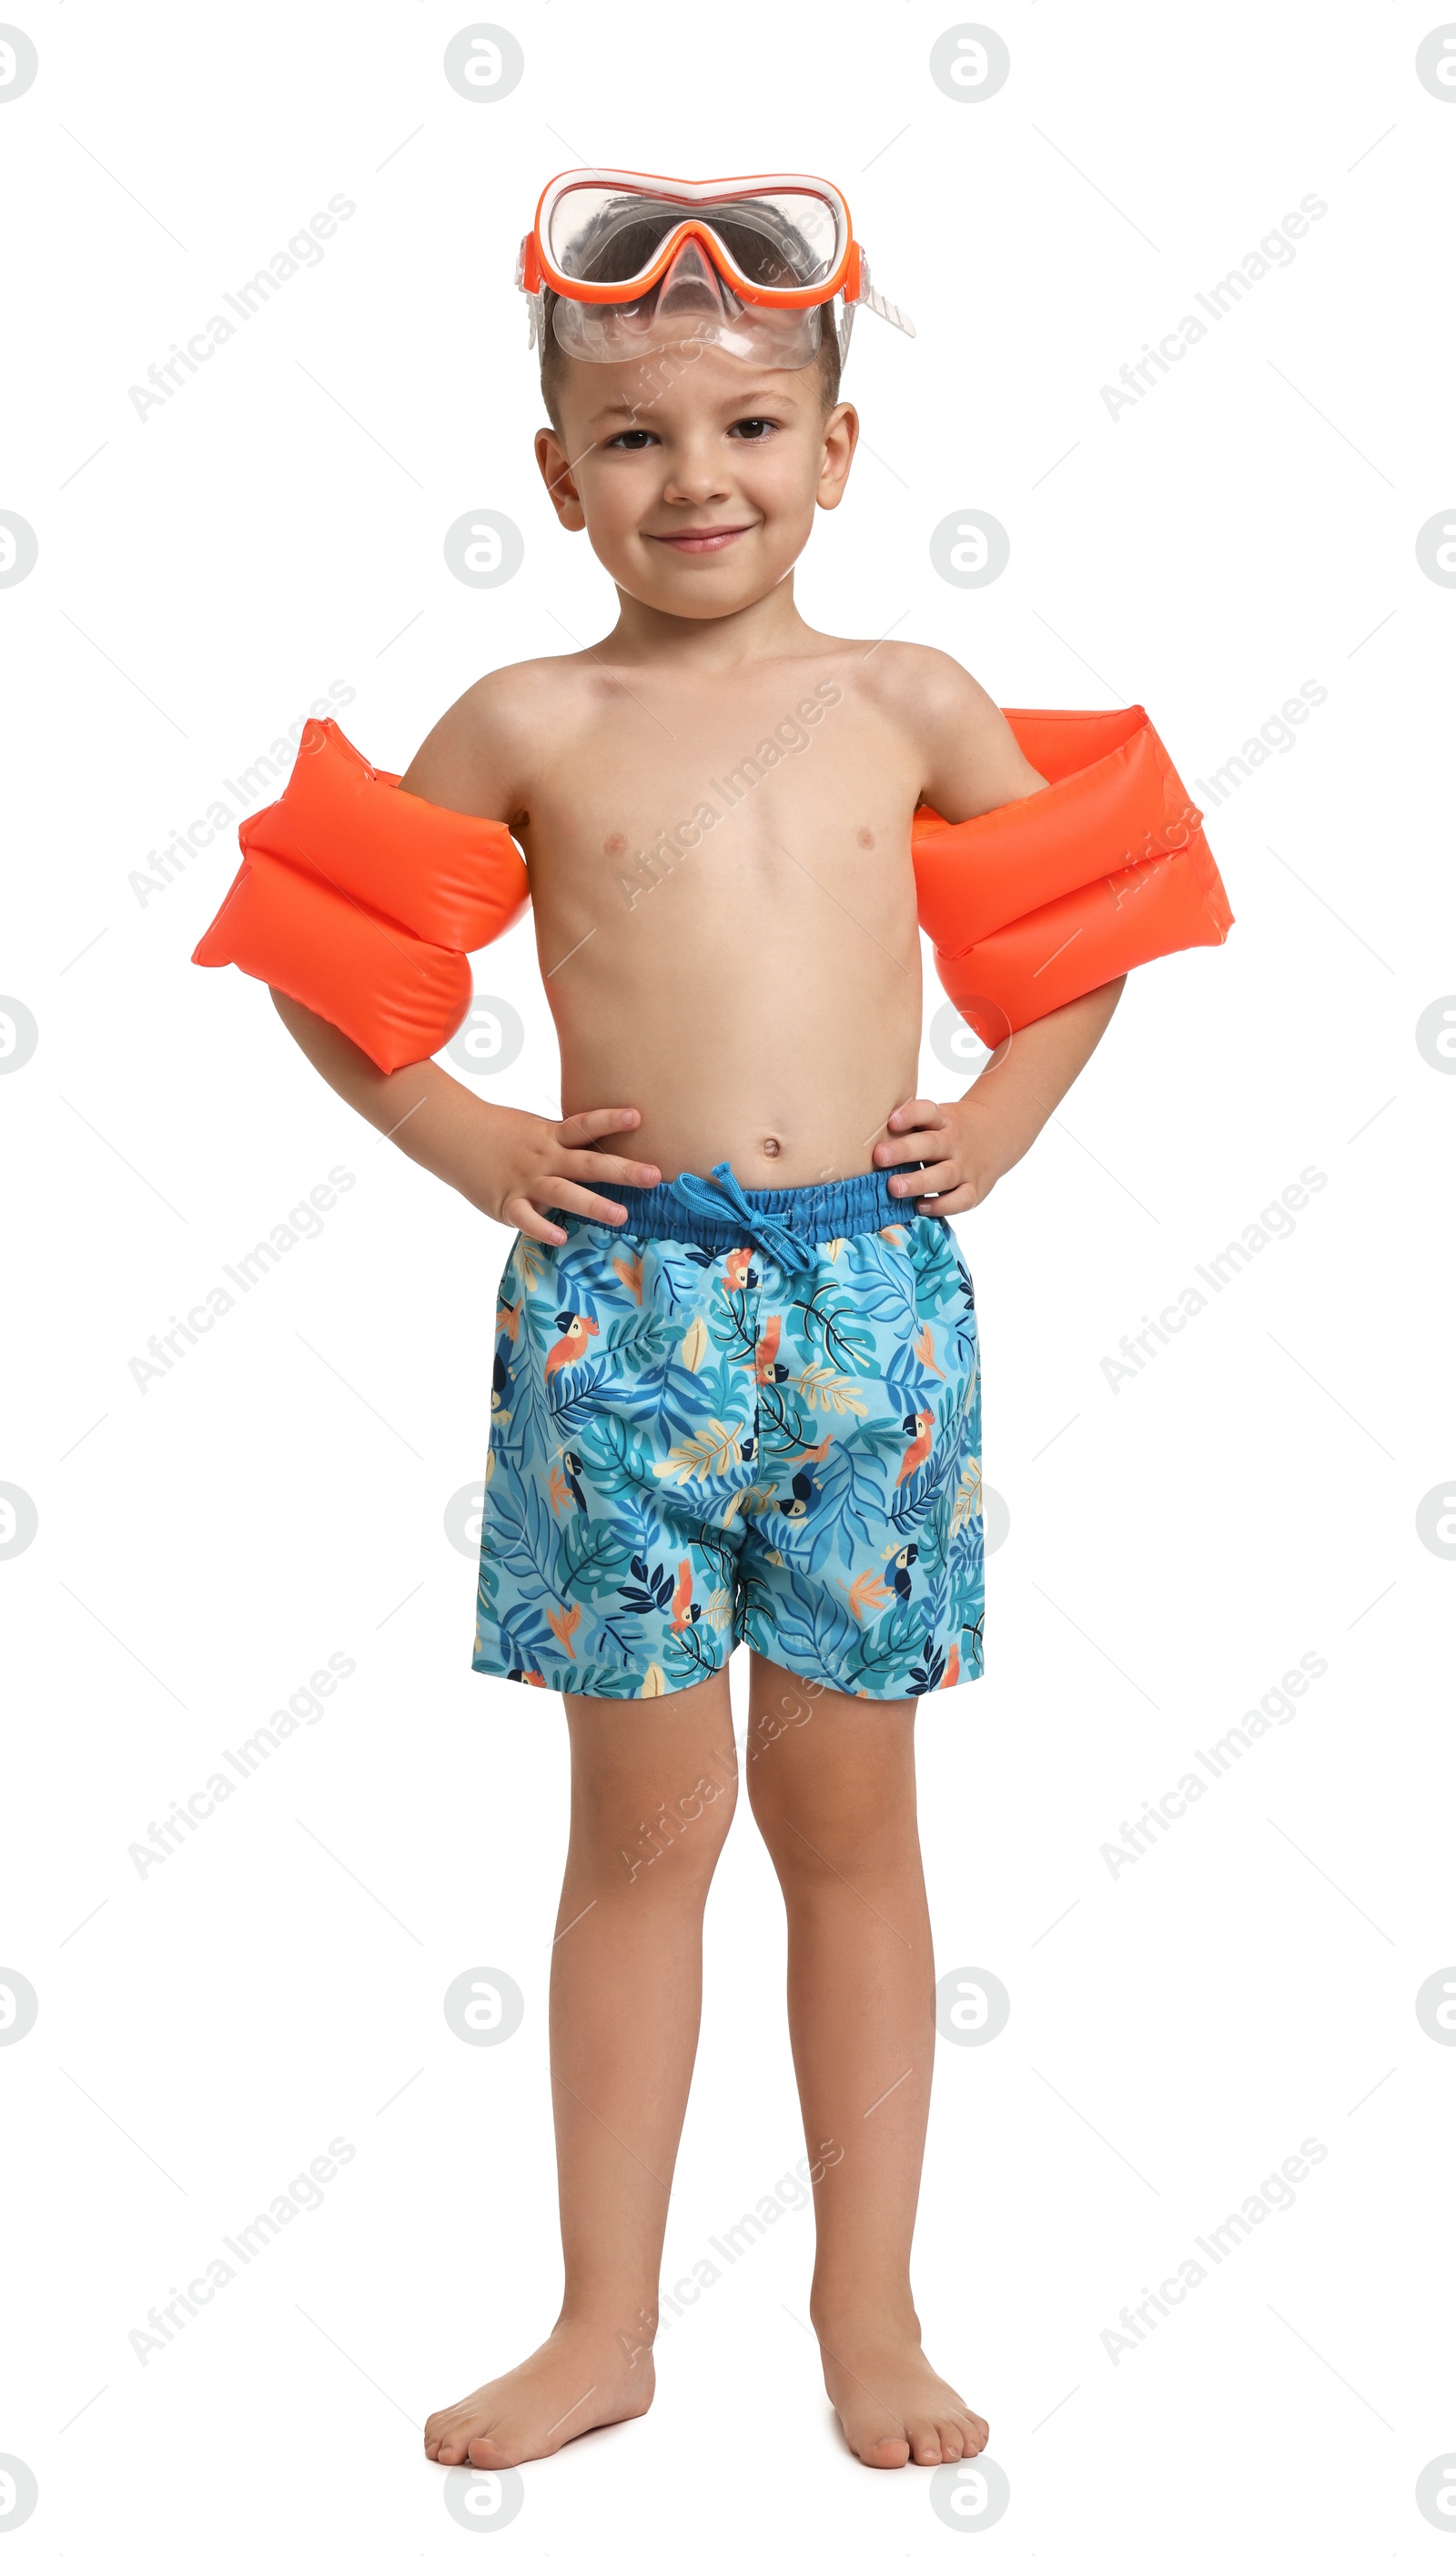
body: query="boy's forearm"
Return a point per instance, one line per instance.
(422, 1109)
(1012, 1103)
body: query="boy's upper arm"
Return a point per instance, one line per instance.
(972, 762)
(475, 758)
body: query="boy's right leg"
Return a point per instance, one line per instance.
(653, 1788)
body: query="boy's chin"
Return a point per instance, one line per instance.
(704, 586)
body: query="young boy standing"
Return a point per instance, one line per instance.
(736, 1390)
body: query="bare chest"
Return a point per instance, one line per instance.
(648, 780)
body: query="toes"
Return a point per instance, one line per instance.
(445, 2440)
(950, 2444)
(924, 2443)
(891, 2453)
(975, 2433)
(485, 2451)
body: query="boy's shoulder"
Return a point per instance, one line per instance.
(534, 689)
(926, 679)
(485, 747)
(933, 696)
(970, 759)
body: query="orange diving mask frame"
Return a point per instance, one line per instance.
(751, 264)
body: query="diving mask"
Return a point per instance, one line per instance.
(751, 264)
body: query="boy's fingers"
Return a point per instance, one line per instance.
(915, 1185)
(584, 1125)
(915, 1114)
(528, 1220)
(588, 1166)
(928, 1145)
(949, 1203)
(562, 1193)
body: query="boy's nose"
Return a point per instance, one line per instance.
(696, 478)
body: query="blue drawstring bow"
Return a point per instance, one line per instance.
(728, 1204)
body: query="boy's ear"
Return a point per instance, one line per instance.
(561, 488)
(840, 435)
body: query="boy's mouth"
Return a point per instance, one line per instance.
(702, 537)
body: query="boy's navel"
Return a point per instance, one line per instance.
(865, 840)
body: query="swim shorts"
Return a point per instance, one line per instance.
(743, 1417)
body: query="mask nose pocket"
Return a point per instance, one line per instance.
(690, 289)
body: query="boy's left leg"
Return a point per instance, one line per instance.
(832, 1782)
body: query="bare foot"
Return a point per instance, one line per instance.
(581, 2378)
(894, 2407)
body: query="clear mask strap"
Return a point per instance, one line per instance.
(878, 303)
(889, 311)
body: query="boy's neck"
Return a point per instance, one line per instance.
(772, 627)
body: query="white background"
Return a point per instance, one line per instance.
(1174, 1546)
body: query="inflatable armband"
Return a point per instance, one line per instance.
(361, 900)
(1045, 899)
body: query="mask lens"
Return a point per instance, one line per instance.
(601, 235)
(784, 241)
(780, 240)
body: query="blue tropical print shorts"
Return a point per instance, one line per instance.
(745, 1417)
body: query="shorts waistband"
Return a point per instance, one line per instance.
(718, 1215)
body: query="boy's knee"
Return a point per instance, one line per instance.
(818, 1833)
(682, 1834)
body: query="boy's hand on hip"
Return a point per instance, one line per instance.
(945, 1137)
(535, 1164)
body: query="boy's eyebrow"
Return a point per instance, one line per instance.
(750, 401)
(639, 413)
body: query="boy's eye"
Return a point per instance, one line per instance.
(633, 439)
(753, 430)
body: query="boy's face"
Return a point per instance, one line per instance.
(695, 473)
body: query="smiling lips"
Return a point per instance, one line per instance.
(706, 538)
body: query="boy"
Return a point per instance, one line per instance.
(744, 1406)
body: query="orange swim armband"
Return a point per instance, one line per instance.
(361, 900)
(1045, 899)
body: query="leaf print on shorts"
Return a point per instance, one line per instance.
(825, 1389)
(713, 1449)
(689, 1449)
